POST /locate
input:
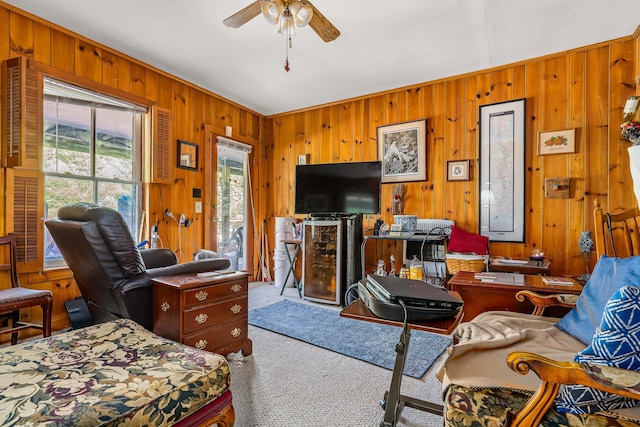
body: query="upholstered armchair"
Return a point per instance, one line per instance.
(587, 364)
(113, 276)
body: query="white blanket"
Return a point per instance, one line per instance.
(479, 358)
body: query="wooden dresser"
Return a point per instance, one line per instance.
(209, 313)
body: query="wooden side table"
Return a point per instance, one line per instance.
(208, 313)
(499, 295)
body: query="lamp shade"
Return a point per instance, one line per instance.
(287, 28)
(301, 11)
(272, 10)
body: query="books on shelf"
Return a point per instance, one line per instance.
(557, 280)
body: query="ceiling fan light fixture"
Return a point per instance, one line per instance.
(272, 10)
(287, 27)
(301, 11)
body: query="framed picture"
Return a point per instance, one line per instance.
(458, 170)
(402, 150)
(502, 171)
(187, 155)
(556, 142)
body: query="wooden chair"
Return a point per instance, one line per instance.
(615, 235)
(16, 297)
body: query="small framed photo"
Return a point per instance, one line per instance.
(458, 170)
(556, 142)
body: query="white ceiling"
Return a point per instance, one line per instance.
(383, 44)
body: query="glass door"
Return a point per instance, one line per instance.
(231, 204)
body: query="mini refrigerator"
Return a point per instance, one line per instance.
(331, 257)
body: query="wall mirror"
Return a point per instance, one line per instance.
(187, 155)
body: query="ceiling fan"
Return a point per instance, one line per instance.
(289, 13)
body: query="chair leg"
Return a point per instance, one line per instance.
(47, 308)
(15, 318)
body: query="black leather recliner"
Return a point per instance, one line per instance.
(114, 277)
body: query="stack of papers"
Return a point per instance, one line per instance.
(557, 280)
(501, 278)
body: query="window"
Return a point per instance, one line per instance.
(92, 146)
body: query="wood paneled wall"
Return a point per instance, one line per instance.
(193, 111)
(584, 89)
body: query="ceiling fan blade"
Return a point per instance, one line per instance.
(245, 15)
(322, 26)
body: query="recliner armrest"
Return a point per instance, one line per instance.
(158, 257)
(191, 267)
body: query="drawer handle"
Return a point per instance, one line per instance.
(235, 332)
(201, 318)
(236, 288)
(201, 345)
(201, 296)
(165, 306)
(235, 309)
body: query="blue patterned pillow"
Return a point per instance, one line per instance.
(617, 344)
(609, 275)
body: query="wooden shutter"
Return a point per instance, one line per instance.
(161, 152)
(20, 117)
(25, 213)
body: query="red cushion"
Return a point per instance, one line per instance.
(465, 242)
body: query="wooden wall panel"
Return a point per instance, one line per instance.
(583, 89)
(20, 35)
(5, 37)
(41, 43)
(62, 51)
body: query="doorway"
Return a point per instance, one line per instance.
(232, 202)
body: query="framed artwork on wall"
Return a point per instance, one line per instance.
(458, 170)
(502, 171)
(187, 155)
(556, 142)
(402, 150)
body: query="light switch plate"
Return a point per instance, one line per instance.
(303, 159)
(198, 207)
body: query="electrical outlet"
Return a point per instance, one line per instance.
(198, 207)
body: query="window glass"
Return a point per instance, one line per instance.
(91, 154)
(67, 138)
(114, 144)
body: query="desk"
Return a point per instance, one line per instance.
(481, 296)
(295, 244)
(393, 401)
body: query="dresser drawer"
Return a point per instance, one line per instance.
(211, 339)
(213, 292)
(208, 316)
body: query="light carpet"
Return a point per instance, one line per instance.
(287, 382)
(367, 341)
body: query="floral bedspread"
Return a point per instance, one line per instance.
(111, 374)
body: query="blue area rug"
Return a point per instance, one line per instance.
(371, 342)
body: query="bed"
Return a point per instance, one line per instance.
(112, 374)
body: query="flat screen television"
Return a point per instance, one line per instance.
(338, 188)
